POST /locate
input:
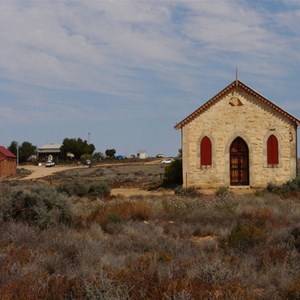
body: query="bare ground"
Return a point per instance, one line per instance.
(125, 179)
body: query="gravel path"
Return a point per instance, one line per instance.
(41, 171)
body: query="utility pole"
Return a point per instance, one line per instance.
(89, 137)
(17, 154)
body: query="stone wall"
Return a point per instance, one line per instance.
(238, 114)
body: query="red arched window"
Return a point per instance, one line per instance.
(205, 150)
(272, 150)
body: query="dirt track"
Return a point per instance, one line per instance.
(42, 171)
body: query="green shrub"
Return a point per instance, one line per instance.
(289, 186)
(114, 218)
(100, 189)
(245, 236)
(42, 206)
(189, 192)
(272, 188)
(222, 192)
(296, 235)
(84, 188)
(173, 173)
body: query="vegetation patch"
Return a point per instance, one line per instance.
(64, 243)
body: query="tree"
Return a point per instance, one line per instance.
(98, 156)
(76, 146)
(180, 152)
(13, 147)
(25, 151)
(110, 152)
(173, 173)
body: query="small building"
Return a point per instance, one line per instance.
(237, 139)
(8, 163)
(49, 152)
(142, 155)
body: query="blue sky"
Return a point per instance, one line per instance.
(128, 71)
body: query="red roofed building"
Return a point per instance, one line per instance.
(8, 163)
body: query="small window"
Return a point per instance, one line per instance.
(205, 150)
(272, 150)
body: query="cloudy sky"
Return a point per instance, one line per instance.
(127, 71)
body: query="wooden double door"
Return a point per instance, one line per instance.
(239, 162)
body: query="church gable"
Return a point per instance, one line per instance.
(233, 89)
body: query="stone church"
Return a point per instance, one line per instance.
(238, 139)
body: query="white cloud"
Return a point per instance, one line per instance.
(106, 45)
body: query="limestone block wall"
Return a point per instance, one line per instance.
(238, 114)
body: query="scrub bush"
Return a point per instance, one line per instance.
(287, 187)
(245, 235)
(42, 206)
(189, 192)
(173, 173)
(100, 189)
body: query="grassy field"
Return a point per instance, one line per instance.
(68, 238)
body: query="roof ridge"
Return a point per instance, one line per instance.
(235, 83)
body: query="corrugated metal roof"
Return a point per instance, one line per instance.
(50, 148)
(6, 152)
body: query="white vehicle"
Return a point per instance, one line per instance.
(167, 161)
(50, 163)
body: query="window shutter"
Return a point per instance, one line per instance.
(205, 150)
(272, 150)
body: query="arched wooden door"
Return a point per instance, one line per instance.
(239, 162)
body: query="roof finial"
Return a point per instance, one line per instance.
(236, 76)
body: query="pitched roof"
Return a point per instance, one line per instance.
(5, 152)
(50, 148)
(217, 97)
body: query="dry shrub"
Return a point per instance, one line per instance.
(145, 281)
(264, 214)
(292, 290)
(119, 211)
(245, 235)
(62, 287)
(28, 286)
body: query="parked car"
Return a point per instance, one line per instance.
(88, 162)
(50, 163)
(160, 155)
(167, 161)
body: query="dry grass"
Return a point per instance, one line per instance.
(162, 247)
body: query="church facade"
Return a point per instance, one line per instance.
(238, 139)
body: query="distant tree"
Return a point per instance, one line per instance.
(110, 152)
(180, 152)
(13, 147)
(98, 156)
(173, 173)
(26, 150)
(76, 146)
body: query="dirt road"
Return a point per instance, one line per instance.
(41, 171)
